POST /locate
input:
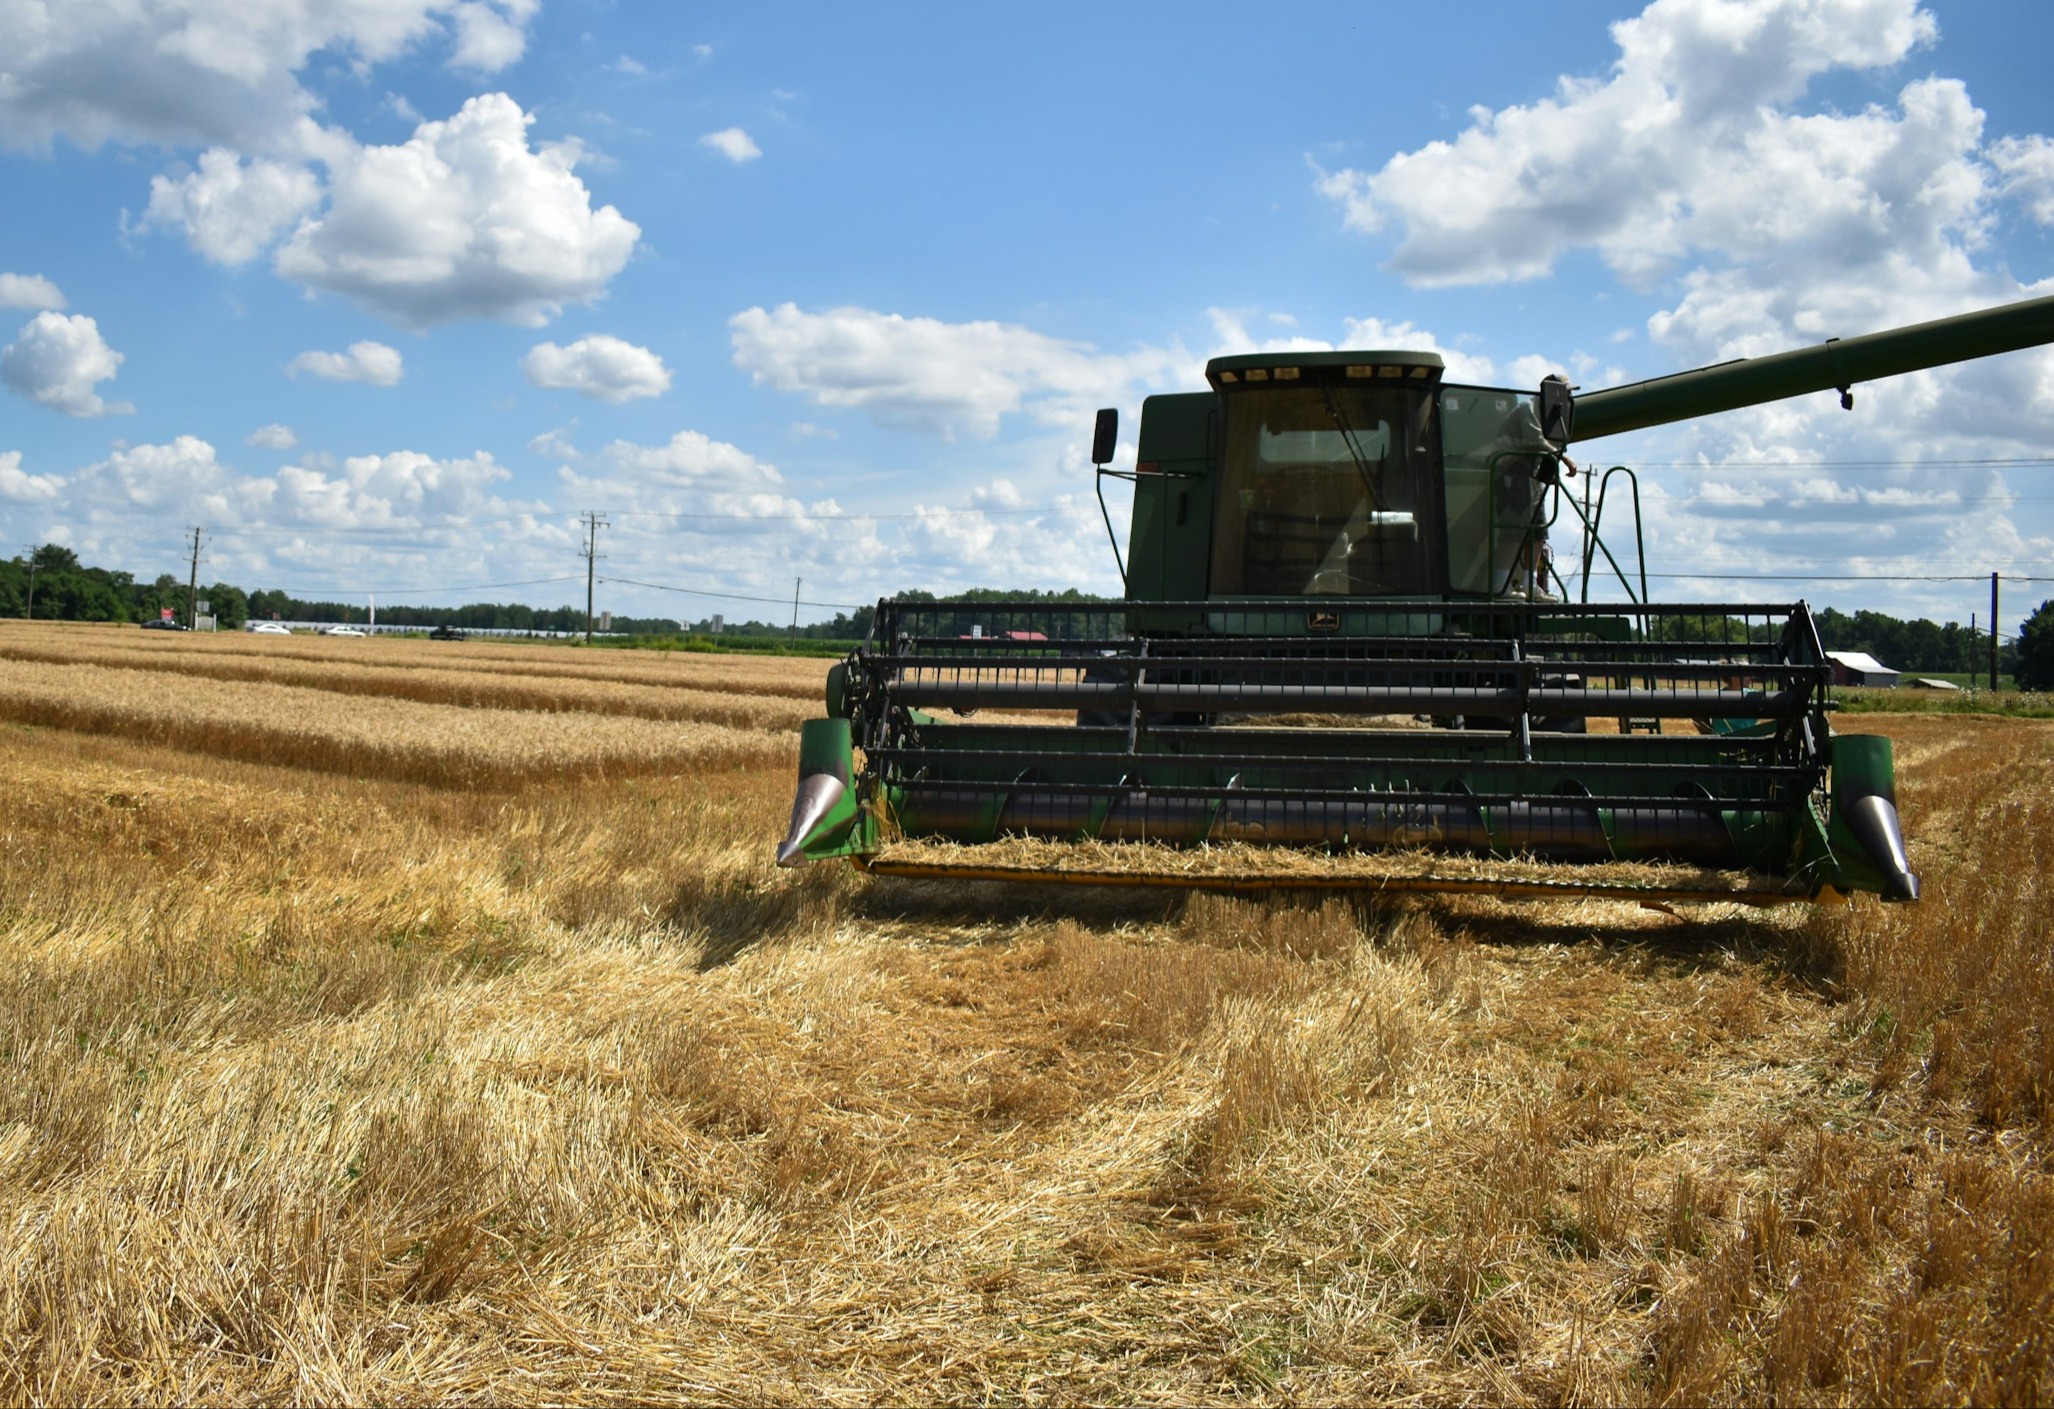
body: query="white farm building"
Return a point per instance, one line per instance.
(1856, 668)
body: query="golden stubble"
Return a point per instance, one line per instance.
(346, 1084)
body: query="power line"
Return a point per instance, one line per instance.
(728, 596)
(324, 530)
(439, 587)
(828, 518)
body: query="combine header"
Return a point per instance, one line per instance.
(1346, 637)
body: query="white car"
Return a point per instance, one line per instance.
(343, 631)
(271, 628)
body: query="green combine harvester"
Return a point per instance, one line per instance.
(1346, 633)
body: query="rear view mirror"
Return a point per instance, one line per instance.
(1557, 410)
(1105, 435)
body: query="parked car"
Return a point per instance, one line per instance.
(445, 633)
(271, 628)
(342, 631)
(164, 624)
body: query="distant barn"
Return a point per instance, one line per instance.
(1855, 668)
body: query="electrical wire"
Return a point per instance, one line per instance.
(384, 589)
(734, 596)
(827, 518)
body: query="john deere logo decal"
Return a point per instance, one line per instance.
(1322, 621)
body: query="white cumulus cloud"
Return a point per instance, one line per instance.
(367, 522)
(28, 291)
(732, 143)
(18, 486)
(1688, 144)
(186, 72)
(372, 363)
(186, 477)
(490, 37)
(688, 460)
(464, 220)
(398, 490)
(602, 367)
(232, 210)
(58, 361)
(927, 374)
(183, 476)
(997, 539)
(272, 437)
(2026, 168)
(708, 489)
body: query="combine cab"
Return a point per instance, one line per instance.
(1347, 658)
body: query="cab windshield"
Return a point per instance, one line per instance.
(1326, 490)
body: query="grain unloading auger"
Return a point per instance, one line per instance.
(1344, 637)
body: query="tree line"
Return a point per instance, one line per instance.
(1913, 646)
(50, 583)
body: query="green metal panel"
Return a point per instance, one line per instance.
(1169, 552)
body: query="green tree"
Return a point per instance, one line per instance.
(2035, 650)
(231, 607)
(14, 587)
(270, 605)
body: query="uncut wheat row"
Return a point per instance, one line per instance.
(787, 677)
(302, 728)
(472, 689)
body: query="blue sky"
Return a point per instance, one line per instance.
(384, 293)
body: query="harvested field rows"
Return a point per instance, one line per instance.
(795, 677)
(472, 688)
(327, 1086)
(383, 738)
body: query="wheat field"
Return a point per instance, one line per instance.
(418, 1023)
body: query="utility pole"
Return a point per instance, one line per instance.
(30, 615)
(793, 634)
(192, 585)
(1971, 650)
(593, 523)
(1993, 631)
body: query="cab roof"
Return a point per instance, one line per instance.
(1262, 368)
